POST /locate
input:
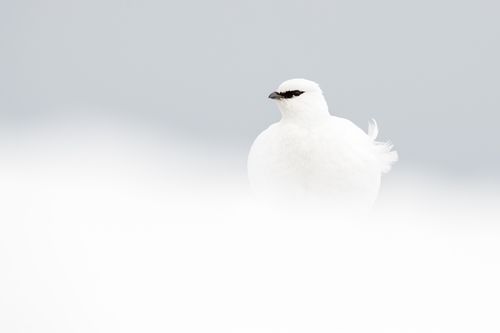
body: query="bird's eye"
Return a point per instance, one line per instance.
(291, 93)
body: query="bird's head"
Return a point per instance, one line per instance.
(300, 99)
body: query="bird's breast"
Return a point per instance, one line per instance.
(294, 159)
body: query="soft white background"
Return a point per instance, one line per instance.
(124, 129)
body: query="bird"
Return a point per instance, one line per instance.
(310, 155)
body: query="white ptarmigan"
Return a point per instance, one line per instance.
(310, 154)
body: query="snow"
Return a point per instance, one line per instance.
(117, 233)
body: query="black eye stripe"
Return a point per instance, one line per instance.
(290, 93)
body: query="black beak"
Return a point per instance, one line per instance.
(275, 95)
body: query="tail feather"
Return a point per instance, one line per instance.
(373, 129)
(386, 155)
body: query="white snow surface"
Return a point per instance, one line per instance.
(105, 232)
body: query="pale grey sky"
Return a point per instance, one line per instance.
(428, 71)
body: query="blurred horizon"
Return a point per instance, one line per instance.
(427, 71)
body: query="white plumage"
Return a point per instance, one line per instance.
(310, 155)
